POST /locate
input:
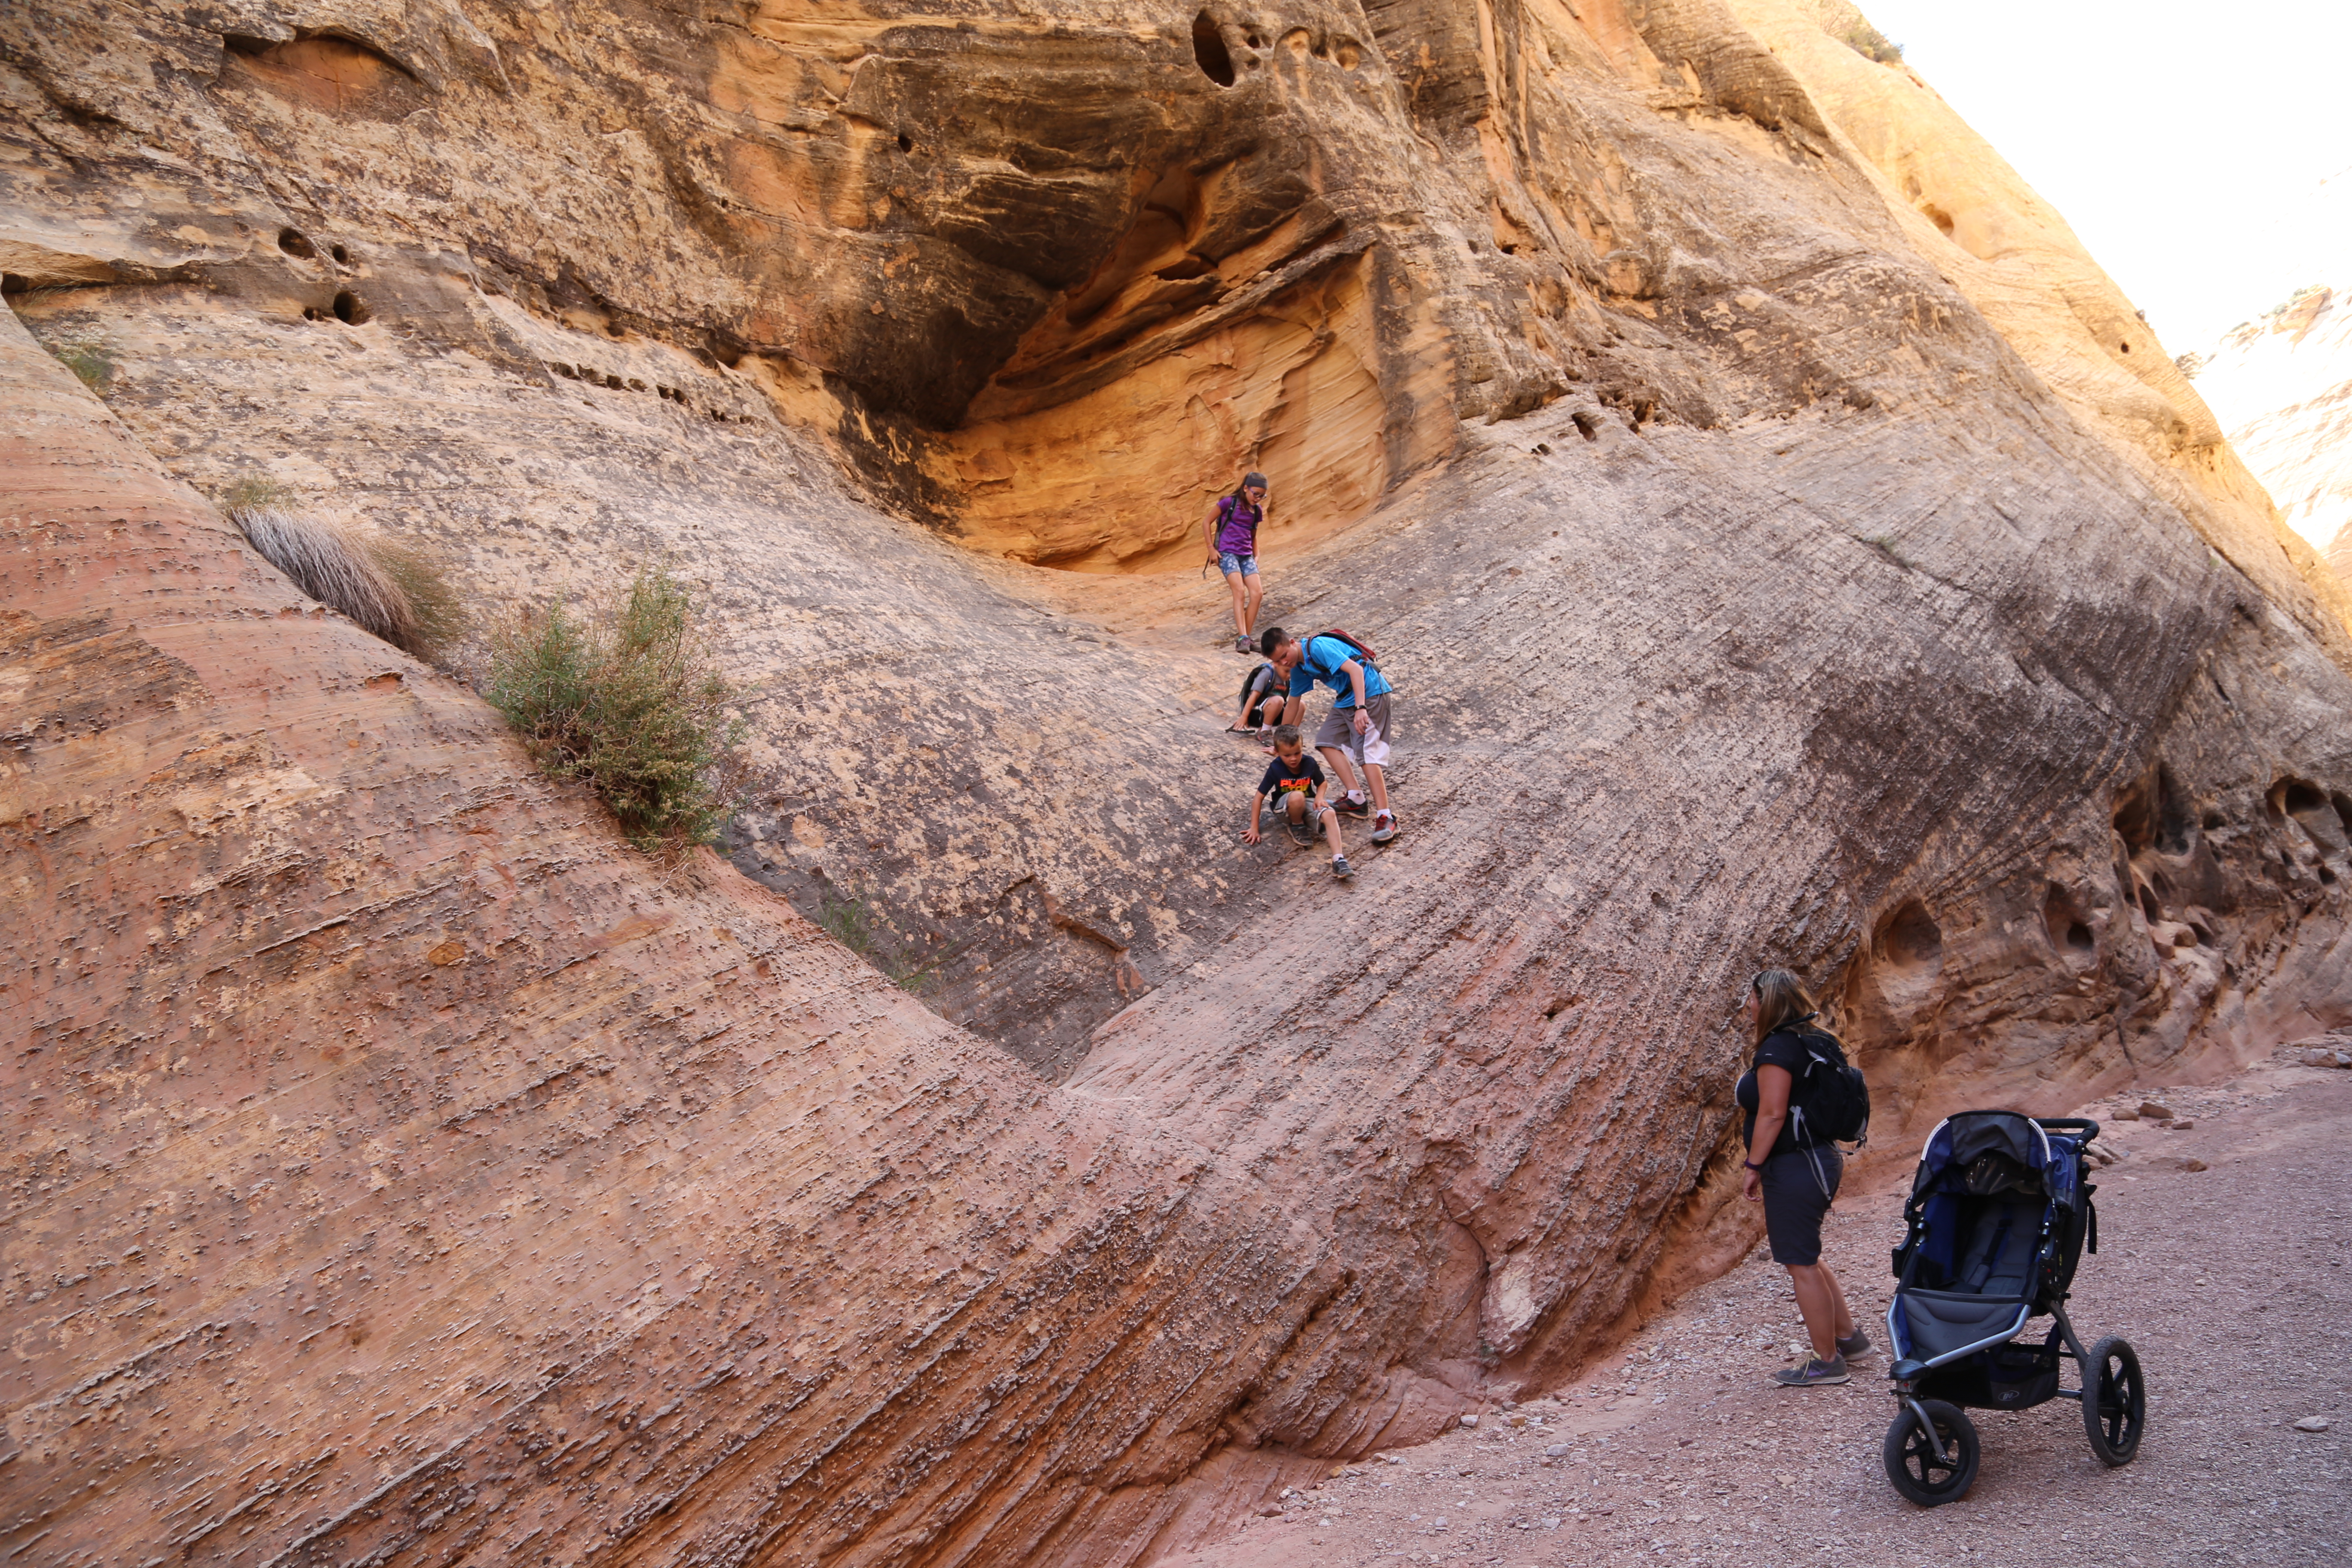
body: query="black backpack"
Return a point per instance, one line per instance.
(1831, 1101)
(1251, 680)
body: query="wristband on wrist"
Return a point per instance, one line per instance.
(1751, 1164)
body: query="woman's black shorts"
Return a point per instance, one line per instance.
(1798, 1187)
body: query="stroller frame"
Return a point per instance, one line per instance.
(1955, 1347)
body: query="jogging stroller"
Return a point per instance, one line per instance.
(1999, 1215)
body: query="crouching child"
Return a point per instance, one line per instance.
(1295, 784)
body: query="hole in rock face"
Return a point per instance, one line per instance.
(1911, 939)
(2326, 876)
(293, 242)
(2202, 937)
(1209, 50)
(1939, 217)
(2127, 348)
(2069, 933)
(350, 310)
(906, 143)
(2343, 803)
(2149, 905)
(1586, 426)
(2211, 820)
(341, 255)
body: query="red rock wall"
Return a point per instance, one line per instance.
(402, 1170)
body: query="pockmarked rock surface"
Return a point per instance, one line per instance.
(402, 1170)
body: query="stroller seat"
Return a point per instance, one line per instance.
(1983, 1288)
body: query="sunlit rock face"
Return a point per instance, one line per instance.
(402, 1169)
(2283, 383)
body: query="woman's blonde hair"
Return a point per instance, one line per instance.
(1780, 998)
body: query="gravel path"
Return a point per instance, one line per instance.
(2232, 1281)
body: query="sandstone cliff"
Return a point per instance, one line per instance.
(2284, 383)
(402, 1170)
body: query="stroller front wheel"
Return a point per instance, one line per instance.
(2114, 1401)
(1929, 1473)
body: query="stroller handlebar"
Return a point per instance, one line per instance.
(2082, 1125)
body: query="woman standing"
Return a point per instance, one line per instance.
(1231, 533)
(1795, 1181)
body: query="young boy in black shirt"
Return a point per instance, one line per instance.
(1295, 782)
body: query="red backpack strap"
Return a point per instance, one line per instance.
(1358, 644)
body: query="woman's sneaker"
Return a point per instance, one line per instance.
(1857, 1344)
(1340, 869)
(1242, 645)
(1815, 1373)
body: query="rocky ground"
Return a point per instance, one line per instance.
(2224, 1248)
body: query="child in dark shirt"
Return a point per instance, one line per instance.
(1295, 782)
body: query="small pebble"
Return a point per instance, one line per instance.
(2314, 1424)
(1557, 1451)
(1469, 1421)
(2155, 1111)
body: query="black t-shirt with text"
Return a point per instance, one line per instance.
(1282, 778)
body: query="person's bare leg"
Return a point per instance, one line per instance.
(1256, 601)
(1340, 768)
(1819, 1303)
(1841, 1319)
(1331, 832)
(1378, 778)
(1237, 582)
(1294, 805)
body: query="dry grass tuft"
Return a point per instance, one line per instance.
(397, 591)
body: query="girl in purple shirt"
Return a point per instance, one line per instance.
(1231, 533)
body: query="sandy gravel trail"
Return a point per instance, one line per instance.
(2233, 1282)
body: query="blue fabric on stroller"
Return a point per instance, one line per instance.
(1998, 1221)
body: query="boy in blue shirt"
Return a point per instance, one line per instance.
(1359, 726)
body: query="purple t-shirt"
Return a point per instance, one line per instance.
(1238, 534)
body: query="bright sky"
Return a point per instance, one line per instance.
(2202, 153)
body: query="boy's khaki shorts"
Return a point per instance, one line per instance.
(1369, 749)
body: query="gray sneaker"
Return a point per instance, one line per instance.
(1301, 833)
(1855, 1344)
(1383, 826)
(1815, 1373)
(1340, 869)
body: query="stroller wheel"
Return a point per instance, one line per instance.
(1931, 1473)
(2114, 1401)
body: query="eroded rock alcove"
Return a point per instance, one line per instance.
(1787, 552)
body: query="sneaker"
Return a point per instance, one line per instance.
(1815, 1373)
(1242, 645)
(1347, 807)
(1340, 869)
(1856, 1345)
(1383, 826)
(1301, 833)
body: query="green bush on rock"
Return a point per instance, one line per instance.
(628, 699)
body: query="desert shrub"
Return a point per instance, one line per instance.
(1844, 21)
(87, 358)
(628, 699)
(397, 591)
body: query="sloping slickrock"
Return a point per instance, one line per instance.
(401, 1170)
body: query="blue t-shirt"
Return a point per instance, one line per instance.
(1324, 656)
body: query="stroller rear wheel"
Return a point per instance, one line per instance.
(1937, 1472)
(2114, 1401)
